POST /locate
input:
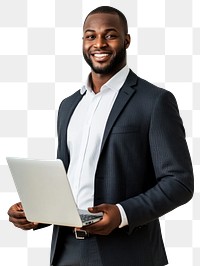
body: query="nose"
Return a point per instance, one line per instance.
(100, 42)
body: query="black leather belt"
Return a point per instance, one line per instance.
(80, 234)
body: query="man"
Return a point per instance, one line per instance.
(123, 144)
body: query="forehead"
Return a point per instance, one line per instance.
(102, 21)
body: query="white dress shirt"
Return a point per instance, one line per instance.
(84, 138)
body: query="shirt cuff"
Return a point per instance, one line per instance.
(124, 220)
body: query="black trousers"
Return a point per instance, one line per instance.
(76, 252)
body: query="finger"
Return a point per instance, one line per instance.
(16, 210)
(94, 228)
(17, 215)
(18, 220)
(23, 224)
(27, 226)
(19, 206)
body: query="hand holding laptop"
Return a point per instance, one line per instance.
(110, 221)
(18, 218)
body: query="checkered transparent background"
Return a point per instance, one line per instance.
(41, 63)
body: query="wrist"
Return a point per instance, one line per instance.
(124, 220)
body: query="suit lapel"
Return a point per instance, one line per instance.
(125, 93)
(64, 118)
(76, 99)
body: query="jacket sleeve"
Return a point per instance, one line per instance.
(172, 166)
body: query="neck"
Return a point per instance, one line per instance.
(98, 80)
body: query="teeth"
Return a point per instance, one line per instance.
(100, 55)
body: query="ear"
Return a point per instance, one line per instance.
(127, 40)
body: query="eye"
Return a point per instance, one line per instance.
(89, 37)
(110, 36)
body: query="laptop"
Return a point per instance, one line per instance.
(45, 193)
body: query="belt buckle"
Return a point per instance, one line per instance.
(80, 234)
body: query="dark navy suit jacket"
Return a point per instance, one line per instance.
(144, 165)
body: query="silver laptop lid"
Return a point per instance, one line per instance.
(44, 191)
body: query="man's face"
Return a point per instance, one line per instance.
(105, 43)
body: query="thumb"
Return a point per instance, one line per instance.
(96, 209)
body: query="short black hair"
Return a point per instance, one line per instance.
(110, 10)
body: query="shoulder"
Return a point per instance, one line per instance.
(149, 89)
(146, 90)
(148, 97)
(69, 101)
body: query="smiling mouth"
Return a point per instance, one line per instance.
(101, 57)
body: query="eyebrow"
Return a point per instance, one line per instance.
(107, 30)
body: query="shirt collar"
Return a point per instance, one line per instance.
(115, 83)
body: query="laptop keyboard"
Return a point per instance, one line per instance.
(87, 217)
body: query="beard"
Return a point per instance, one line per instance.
(112, 66)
